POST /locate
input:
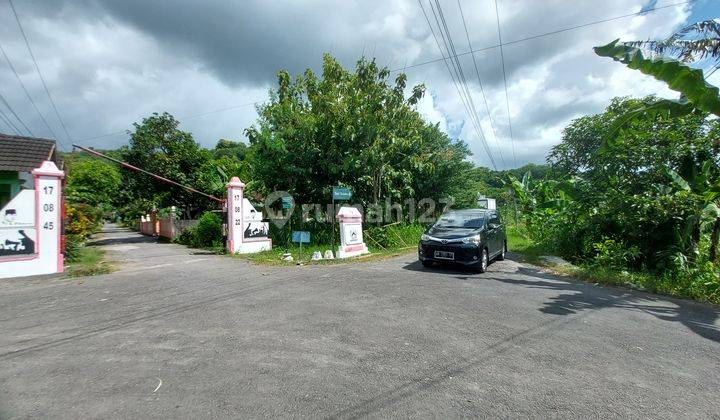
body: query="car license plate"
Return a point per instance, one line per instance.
(444, 255)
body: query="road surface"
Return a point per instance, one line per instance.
(181, 334)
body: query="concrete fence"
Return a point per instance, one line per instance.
(167, 227)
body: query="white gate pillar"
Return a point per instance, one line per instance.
(247, 232)
(33, 220)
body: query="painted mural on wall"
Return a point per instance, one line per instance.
(17, 225)
(253, 225)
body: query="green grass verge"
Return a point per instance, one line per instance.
(90, 261)
(699, 289)
(520, 243)
(274, 257)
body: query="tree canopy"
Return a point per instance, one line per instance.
(352, 128)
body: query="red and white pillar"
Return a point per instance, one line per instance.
(235, 198)
(247, 232)
(47, 257)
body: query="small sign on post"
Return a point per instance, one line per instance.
(341, 193)
(301, 237)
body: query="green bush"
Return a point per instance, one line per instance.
(206, 234)
(82, 219)
(614, 254)
(209, 230)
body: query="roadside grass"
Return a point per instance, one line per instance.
(675, 286)
(274, 257)
(382, 241)
(89, 261)
(520, 243)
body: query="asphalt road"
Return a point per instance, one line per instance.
(177, 334)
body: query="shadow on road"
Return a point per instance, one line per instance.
(574, 300)
(456, 269)
(575, 297)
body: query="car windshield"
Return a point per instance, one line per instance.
(463, 220)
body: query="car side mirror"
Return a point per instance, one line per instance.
(493, 225)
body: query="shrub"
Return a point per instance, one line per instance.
(206, 234)
(209, 230)
(614, 254)
(82, 219)
(187, 236)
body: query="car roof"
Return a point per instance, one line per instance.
(467, 211)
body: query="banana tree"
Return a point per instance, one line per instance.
(696, 95)
(705, 185)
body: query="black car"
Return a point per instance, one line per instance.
(471, 238)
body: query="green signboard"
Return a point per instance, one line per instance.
(341, 193)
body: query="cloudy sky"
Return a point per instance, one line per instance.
(109, 63)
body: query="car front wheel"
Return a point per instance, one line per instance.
(501, 256)
(483, 261)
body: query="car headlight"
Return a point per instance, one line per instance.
(425, 237)
(472, 240)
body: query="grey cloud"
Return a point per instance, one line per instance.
(109, 63)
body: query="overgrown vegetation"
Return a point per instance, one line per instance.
(206, 234)
(91, 186)
(632, 193)
(356, 129)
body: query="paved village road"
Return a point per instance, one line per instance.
(177, 334)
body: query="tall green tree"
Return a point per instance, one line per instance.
(93, 182)
(230, 149)
(358, 129)
(157, 145)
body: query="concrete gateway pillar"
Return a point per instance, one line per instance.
(247, 233)
(351, 234)
(30, 227)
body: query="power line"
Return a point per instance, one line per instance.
(507, 98)
(463, 81)
(544, 34)
(712, 71)
(12, 111)
(482, 90)
(455, 69)
(7, 122)
(27, 94)
(37, 68)
(450, 67)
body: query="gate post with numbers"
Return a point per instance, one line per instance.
(235, 196)
(35, 227)
(246, 231)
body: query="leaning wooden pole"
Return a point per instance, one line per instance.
(158, 177)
